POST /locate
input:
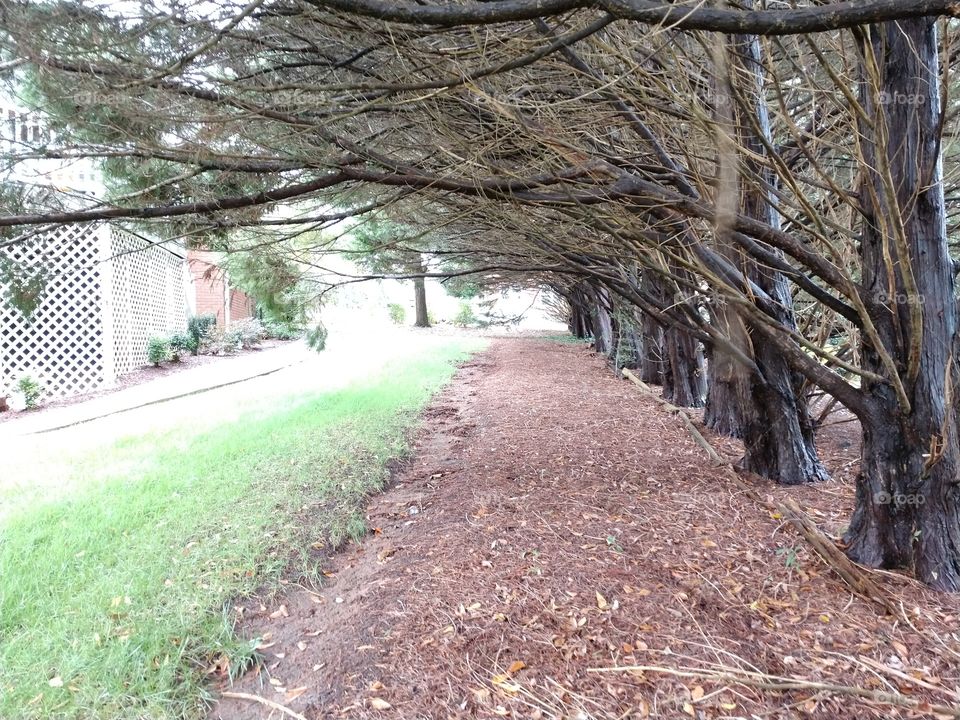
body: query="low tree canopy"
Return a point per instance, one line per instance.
(747, 212)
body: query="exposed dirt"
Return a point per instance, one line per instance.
(553, 524)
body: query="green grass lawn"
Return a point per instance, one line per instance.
(115, 599)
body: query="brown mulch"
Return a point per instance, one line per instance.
(554, 523)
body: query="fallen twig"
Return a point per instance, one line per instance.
(763, 681)
(263, 701)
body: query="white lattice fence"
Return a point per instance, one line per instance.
(146, 296)
(105, 292)
(61, 342)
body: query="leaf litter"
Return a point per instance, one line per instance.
(577, 556)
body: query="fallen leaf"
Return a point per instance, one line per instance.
(697, 693)
(379, 704)
(503, 682)
(516, 666)
(601, 601)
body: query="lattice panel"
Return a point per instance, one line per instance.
(61, 343)
(147, 297)
(106, 293)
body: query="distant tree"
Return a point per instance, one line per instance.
(388, 249)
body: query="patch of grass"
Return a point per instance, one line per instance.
(565, 338)
(116, 599)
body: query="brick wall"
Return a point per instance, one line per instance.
(211, 284)
(208, 283)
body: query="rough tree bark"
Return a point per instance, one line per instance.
(768, 412)
(728, 382)
(908, 508)
(684, 372)
(603, 340)
(685, 379)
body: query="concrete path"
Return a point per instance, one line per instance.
(219, 373)
(44, 457)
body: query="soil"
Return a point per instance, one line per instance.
(559, 547)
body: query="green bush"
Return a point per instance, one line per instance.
(465, 315)
(180, 344)
(317, 337)
(215, 341)
(246, 333)
(158, 350)
(197, 326)
(283, 330)
(32, 391)
(398, 314)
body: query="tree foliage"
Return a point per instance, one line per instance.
(690, 179)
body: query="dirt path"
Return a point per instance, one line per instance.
(552, 521)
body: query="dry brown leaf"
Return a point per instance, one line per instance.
(516, 666)
(601, 601)
(379, 704)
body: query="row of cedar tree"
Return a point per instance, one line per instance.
(772, 189)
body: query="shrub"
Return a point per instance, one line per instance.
(31, 391)
(180, 343)
(465, 315)
(215, 341)
(398, 314)
(246, 333)
(317, 337)
(283, 330)
(197, 326)
(158, 350)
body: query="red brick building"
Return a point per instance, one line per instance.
(212, 292)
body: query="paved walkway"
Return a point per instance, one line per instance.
(227, 371)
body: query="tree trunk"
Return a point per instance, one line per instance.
(579, 323)
(908, 507)
(652, 361)
(629, 350)
(603, 340)
(728, 381)
(685, 377)
(769, 411)
(684, 373)
(420, 301)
